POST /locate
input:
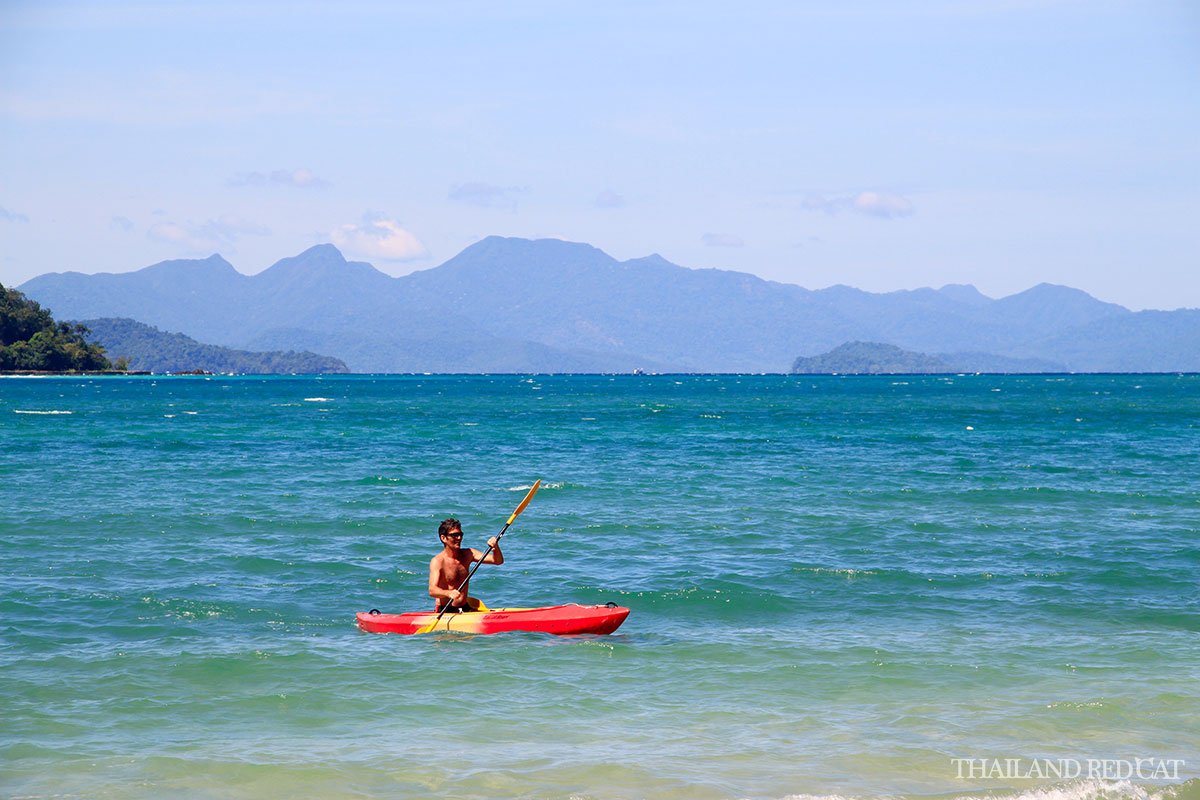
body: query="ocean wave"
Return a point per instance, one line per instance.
(529, 486)
(1076, 706)
(318, 399)
(385, 479)
(1092, 789)
(847, 571)
(44, 413)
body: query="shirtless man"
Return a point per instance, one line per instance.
(449, 568)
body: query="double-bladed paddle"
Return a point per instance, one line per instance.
(511, 519)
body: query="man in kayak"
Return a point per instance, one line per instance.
(449, 568)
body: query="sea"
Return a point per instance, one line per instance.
(842, 587)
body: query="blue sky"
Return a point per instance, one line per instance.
(884, 145)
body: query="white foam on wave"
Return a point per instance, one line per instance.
(318, 399)
(1076, 705)
(40, 413)
(529, 486)
(1092, 789)
(848, 572)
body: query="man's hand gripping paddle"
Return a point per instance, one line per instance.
(532, 491)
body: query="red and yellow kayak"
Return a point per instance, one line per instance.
(566, 620)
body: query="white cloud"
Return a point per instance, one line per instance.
(722, 240)
(830, 205)
(888, 206)
(379, 238)
(296, 178)
(485, 195)
(12, 216)
(873, 204)
(609, 199)
(207, 236)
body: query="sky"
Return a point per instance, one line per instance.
(882, 145)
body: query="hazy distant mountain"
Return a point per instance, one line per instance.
(149, 349)
(554, 306)
(187, 295)
(990, 362)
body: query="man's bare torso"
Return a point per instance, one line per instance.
(453, 570)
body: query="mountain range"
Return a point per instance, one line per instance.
(519, 305)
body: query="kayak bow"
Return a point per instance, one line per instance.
(565, 620)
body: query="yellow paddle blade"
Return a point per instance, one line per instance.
(525, 502)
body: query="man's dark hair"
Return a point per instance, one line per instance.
(448, 525)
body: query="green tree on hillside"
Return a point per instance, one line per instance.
(30, 339)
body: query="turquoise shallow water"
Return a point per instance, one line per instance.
(838, 584)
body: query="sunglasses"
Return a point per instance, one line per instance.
(452, 535)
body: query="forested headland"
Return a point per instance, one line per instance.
(149, 349)
(31, 340)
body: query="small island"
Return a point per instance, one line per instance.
(877, 358)
(869, 358)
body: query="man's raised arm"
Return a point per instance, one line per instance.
(495, 556)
